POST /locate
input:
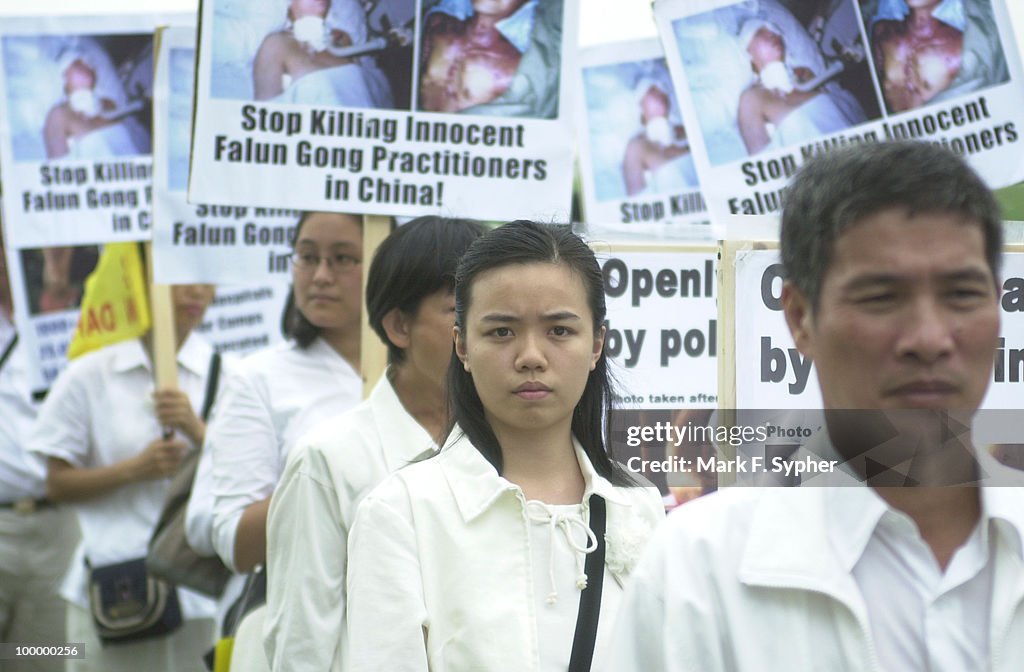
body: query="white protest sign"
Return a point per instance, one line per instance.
(200, 242)
(75, 108)
(639, 179)
(763, 88)
(244, 319)
(344, 118)
(662, 326)
(771, 373)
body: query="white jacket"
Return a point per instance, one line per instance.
(440, 574)
(327, 474)
(747, 581)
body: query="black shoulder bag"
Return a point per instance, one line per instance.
(590, 599)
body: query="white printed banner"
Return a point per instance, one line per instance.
(410, 107)
(638, 174)
(764, 86)
(75, 117)
(771, 373)
(200, 242)
(662, 327)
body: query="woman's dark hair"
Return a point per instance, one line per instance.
(294, 324)
(416, 260)
(526, 242)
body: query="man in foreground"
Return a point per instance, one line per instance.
(892, 258)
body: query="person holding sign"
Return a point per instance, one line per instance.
(485, 556)
(297, 64)
(892, 255)
(410, 301)
(783, 105)
(111, 444)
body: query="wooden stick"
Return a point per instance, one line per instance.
(373, 354)
(164, 340)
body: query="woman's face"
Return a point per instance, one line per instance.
(190, 304)
(79, 76)
(329, 293)
(529, 344)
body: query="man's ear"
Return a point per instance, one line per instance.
(396, 326)
(799, 317)
(460, 347)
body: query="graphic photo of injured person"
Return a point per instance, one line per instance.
(313, 52)
(79, 97)
(774, 74)
(636, 140)
(491, 57)
(933, 50)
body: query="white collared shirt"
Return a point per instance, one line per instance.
(922, 618)
(440, 568)
(100, 412)
(274, 397)
(748, 580)
(327, 474)
(21, 473)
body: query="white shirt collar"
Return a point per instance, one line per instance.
(853, 512)
(194, 355)
(476, 484)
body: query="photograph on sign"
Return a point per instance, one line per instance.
(639, 179)
(765, 86)
(325, 52)
(394, 108)
(491, 57)
(192, 241)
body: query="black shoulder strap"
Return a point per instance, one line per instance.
(211, 385)
(590, 600)
(8, 350)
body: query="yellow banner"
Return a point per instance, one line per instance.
(114, 305)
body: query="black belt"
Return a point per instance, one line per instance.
(26, 505)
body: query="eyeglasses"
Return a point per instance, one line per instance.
(309, 262)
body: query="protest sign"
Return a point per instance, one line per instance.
(201, 242)
(75, 106)
(330, 111)
(766, 86)
(662, 326)
(769, 372)
(638, 175)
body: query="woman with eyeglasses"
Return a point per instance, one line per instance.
(281, 393)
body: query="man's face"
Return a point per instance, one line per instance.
(908, 315)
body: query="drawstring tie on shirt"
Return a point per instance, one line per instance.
(540, 512)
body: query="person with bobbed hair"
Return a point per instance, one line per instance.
(479, 558)
(411, 306)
